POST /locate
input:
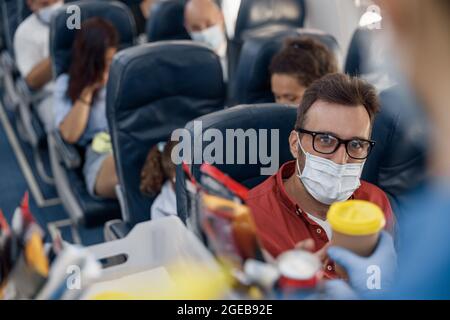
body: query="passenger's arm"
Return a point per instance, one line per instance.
(35, 68)
(75, 122)
(40, 75)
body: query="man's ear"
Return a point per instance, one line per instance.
(293, 143)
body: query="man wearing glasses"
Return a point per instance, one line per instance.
(330, 142)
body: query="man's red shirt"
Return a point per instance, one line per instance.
(281, 223)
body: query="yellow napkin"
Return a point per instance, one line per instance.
(102, 143)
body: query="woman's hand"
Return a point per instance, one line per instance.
(98, 85)
(75, 122)
(87, 94)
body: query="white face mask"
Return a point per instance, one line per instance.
(45, 14)
(214, 37)
(327, 181)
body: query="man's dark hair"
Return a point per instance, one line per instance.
(305, 59)
(340, 89)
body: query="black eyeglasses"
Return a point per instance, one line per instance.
(326, 143)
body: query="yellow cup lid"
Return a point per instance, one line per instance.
(356, 217)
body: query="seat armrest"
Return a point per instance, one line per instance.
(68, 153)
(116, 229)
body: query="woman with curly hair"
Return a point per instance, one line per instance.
(158, 178)
(300, 62)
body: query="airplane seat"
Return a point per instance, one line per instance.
(3, 47)
(18, 96)
(2, 38)
(13, 12)
(66, 161)
(246, 117)
(252, 80)
(358, 53)
(154, 89)
(166, 21)
(368, 57)
(397, 163)
(131, 2)
(256, 14)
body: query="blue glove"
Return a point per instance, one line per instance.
(338, 290)
(369, 276)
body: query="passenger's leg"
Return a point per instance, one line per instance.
(107, 179)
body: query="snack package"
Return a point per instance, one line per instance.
(24, 262)
(215, 182)
(230, 229)
(217, 207)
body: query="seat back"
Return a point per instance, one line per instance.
(358, 54)
(260, 130)
(82, 207)
(131, 2)
(13, 12)
(61, 37)
(152, 90)
(397, 163)
(254, 14)
(369, 56)
(166, 21)
(252, 81)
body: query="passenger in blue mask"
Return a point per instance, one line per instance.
(31, 47)
(204, 22)
(424, 240)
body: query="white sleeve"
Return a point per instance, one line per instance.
(165, 203)
(27, 51)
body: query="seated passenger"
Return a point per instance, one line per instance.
(80, 103)
(204, 22)
(330, 142)
(31, 47)
(158, 178)
(301, 61)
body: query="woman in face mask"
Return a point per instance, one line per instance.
(330, 143)
(80, 103)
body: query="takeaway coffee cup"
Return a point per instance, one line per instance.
(356, 226)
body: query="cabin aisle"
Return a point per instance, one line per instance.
(19, 175)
